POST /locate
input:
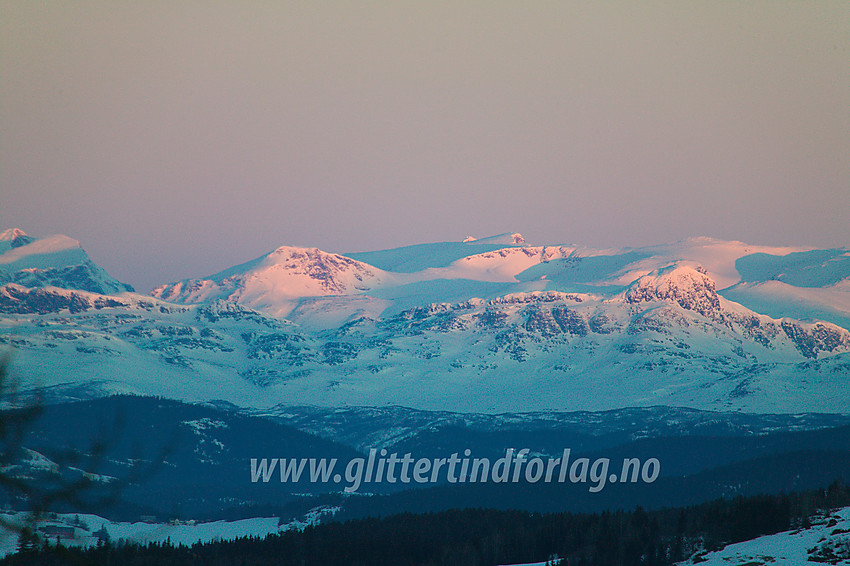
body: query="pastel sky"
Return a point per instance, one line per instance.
(174, 139)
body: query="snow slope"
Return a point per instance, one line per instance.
(179, 532)
(775, 298)
(827, 536)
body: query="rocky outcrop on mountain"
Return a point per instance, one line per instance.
(570, 321)
(690, 288)
(551, 321)
(536, 297)
(819, 337)
(542, 322)
(86, 277)
(16, 299)
(219, 310)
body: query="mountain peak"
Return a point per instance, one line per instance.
(16, 238)
(298, 251)
(11, 234)
(274, 282)
(688, 286)
(55, 261)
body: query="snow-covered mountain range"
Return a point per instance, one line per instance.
(489, 325)
(52, 261)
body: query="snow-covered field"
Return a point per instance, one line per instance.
(187, 533)
(827, 541)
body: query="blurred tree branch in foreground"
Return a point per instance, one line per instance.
(33, 483)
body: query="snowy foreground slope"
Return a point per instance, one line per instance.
(488, 326)
(827, 541)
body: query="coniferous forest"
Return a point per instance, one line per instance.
(484, 537)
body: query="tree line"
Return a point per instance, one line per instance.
(481, 537)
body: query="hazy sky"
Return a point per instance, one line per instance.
(174, 139)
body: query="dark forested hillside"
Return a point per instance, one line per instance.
(486, 537)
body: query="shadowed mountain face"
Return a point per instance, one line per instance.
(55, 261)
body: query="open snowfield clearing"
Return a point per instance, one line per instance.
(827, 541)
(184, 532)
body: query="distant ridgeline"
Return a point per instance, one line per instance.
(486, 326)
(182, 461)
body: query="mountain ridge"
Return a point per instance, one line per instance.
(57, 261)
(516, 328)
